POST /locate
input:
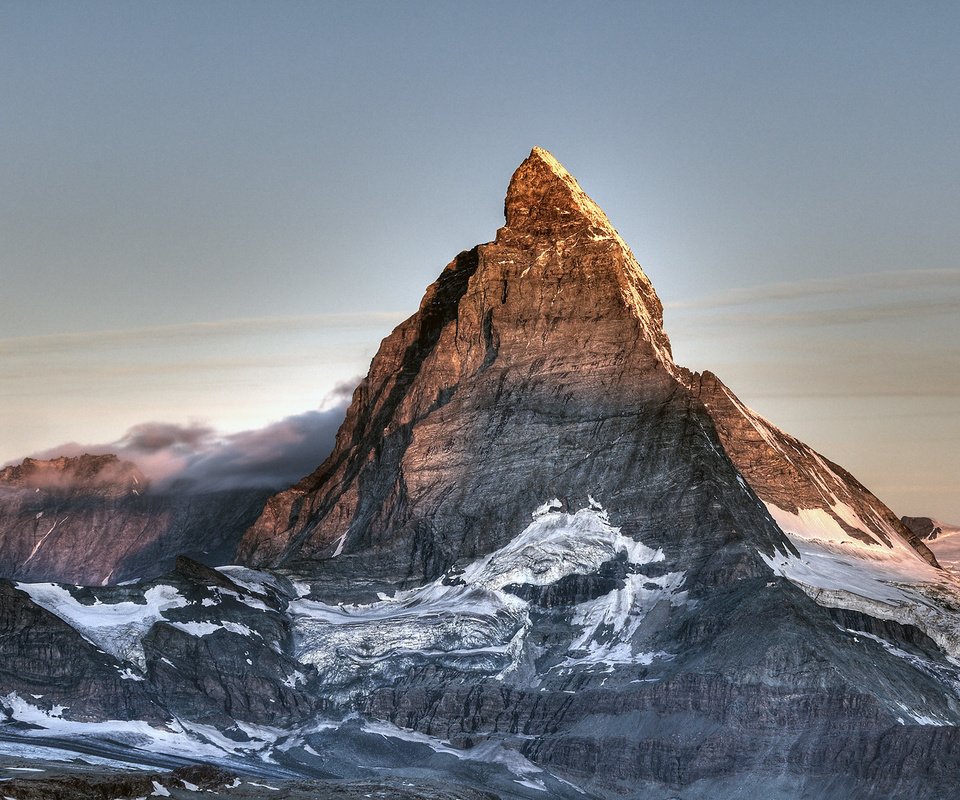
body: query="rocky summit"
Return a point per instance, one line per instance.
(542, 560)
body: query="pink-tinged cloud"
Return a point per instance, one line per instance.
(195, 458)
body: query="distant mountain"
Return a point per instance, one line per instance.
(942, 539)
(95, 519)
(542, 560)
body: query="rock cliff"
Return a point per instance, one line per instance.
(95, 519)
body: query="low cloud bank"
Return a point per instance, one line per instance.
(196, 458)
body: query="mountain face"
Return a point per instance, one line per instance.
(941, 538)
(94, 519)
(542, 560)
(528, 357)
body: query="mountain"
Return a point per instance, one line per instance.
(94, 519)
(941, 538)
(542, 560)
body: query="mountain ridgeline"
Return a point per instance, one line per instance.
(542, 560)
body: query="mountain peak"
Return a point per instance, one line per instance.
(83, 471)
(545, 199)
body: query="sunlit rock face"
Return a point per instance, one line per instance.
(536, 367)
(544, 560)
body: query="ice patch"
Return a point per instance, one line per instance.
(116, 628)
(887, 582)
(547, 508)
(554, 546)
(610, 622)
(206, 628)
(469, 616)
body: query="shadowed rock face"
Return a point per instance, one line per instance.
(45, 660)
(923, 527)
(94, 519)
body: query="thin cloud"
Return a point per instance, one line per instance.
(900, 310)
(130, 337)
(860, 285)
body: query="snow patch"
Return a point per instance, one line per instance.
(469, 614)
(547, 508)
(116, 628)
(887, 582)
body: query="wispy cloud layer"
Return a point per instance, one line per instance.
(196, 458)
(859, 285)
(192, 331)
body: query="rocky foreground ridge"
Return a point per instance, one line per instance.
(542, 560)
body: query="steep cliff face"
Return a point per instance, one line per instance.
(94, 519)
(796, 481)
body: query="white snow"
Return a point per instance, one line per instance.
(610, 622)
(888, 582)
(178, 737)
(548, 507)
(554, 546)
(205, 628)
(823, 526)
(251, 579)
(197, 628)
(469, 613)
(116, 628)
(159, 790)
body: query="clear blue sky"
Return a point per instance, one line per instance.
(170, 164)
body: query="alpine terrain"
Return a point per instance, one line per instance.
(542, 560)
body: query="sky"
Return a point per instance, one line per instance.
(213, 212)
